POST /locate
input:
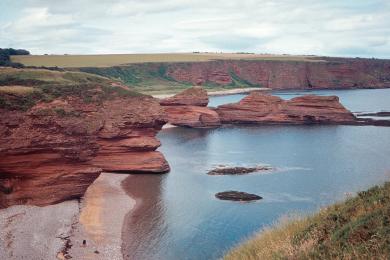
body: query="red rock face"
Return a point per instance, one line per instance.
(192, 116)
(195, 96)
(310, 109)
(54, 151)
(332, 73)
(188, 109)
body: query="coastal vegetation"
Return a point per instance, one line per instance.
(20, 89)
(358, 228)
(154, 79)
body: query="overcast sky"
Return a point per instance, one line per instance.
(332, 27)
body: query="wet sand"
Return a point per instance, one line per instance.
(103, 210)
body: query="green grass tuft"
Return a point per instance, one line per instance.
(358, 228)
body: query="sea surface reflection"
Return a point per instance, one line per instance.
(178, 217)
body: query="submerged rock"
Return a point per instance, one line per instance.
(237, 196)
(238, 170)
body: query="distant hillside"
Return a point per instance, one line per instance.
(155, 73)
(358, 228)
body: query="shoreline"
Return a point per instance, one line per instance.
(58, 231)
(102, 215)
(218, 92)
(140, 222)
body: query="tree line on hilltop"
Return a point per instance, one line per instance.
(5, 59)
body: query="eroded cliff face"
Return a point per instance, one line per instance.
(55, 150)
(262, 108)
(188, 109)
(330, 73)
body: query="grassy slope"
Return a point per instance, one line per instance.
(358, 228)
(20, 89)
(152, 79)
(146, 72)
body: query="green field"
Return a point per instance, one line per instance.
(108, 60)
(358, 228)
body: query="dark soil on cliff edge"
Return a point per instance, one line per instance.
(358, 228)
(238, 170)
(237, 196)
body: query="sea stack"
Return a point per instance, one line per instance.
(260, 108)
(189, 109)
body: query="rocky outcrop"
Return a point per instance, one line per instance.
(195, 96)
(188, 109)
(310, 109)
(55, 150)
(237, 196)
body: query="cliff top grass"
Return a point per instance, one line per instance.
(108, 60)
(358, 228)
(20, 89)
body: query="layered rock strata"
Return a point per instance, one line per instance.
(338, 73)
(262, 108)
(55, 150)
(188, 109)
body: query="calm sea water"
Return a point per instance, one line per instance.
(179, 217)
(358, 100)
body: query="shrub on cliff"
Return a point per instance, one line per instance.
(5, 59)
(358, 228)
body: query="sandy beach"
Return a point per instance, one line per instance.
(235, 91)
(103, 210)
(220, 92)
(58, 231)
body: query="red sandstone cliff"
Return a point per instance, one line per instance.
(330, 73)
(188, 108)
(310, 109)
(55, 150)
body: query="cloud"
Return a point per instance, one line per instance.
(341, 28)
